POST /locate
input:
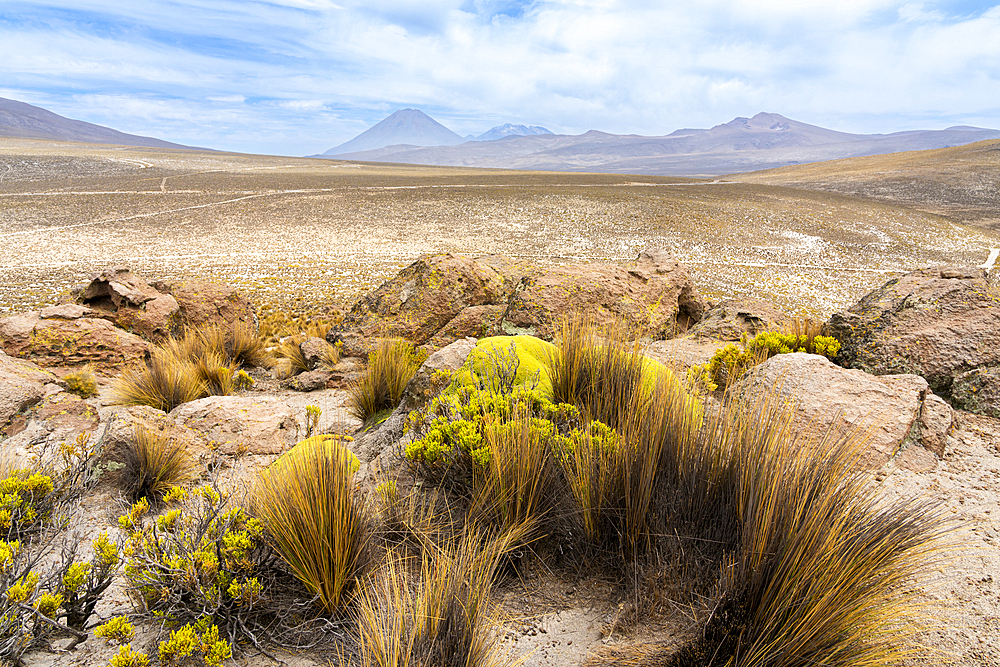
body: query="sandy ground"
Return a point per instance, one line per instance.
(308, 233)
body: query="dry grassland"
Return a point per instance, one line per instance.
(962, 182)
(305, 233)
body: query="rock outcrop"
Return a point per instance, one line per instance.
(978, 391)
(241, 424)
(162, 309)
(443, 298)
(890, 409)
(68, 335)
(730, 319)
(22, 385)
(937, 323)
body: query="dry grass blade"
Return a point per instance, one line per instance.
(210, 366)
(447, 621)
(308, 502)
(167, 380)
(521, 485)
(154, 464)
(380, 388)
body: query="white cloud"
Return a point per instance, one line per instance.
(320, 72)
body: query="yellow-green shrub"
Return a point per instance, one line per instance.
(206, 560)
(82, 383)
(731, 361)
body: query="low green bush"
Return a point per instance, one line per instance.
(731, 361)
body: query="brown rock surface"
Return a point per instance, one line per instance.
(654, 295)
(241, 424)
(936, 323)
(732, 318)
(202, 303)
(125, 299)
(69, 342)
(978, 391)
(311, 380)
(313, 351)
(441, 298)
(22, 384)
(424, 297)
(827, 396)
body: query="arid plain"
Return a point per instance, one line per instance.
(304, 234)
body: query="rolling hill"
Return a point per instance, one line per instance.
(25, 121)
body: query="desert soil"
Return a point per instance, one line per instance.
(309, 233)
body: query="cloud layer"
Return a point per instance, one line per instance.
(299, 76)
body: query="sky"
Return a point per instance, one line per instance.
(297, 77)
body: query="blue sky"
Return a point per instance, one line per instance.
(297, 77)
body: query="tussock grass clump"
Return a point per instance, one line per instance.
(167, 380)
(288, 358)
(448, 620)
(201, 363)
(154, 464)
(314, 515)
(380, 388)
(815, 567)
(603, 376)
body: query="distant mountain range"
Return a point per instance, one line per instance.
(509, 130)
(25, 121)
(765, 141)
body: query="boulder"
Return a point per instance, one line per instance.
(241, 424)
(203, 303)
(936, 420)
(58, 341)
(887, 408)
(978, 391)
(442, 298)
(732, 318)
(314, 351)
(57, 418)
(432, 377)
(474, 321)
(937, 323)
(653, 295)
(22, 384)
(123, 298)
(311, 380)
(424, 297)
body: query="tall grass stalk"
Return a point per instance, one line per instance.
(522, 484)
(448, 620)
(154, 464)
(380, 388)
(308, 502)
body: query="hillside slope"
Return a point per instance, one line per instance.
(962, 182)
(25, 121)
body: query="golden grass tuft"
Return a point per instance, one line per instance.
(448, 621)
(167, 380)
(154, 464)
(380, 387)
(199, 364)
(309, 505)
(521, 485)
(815, 567)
